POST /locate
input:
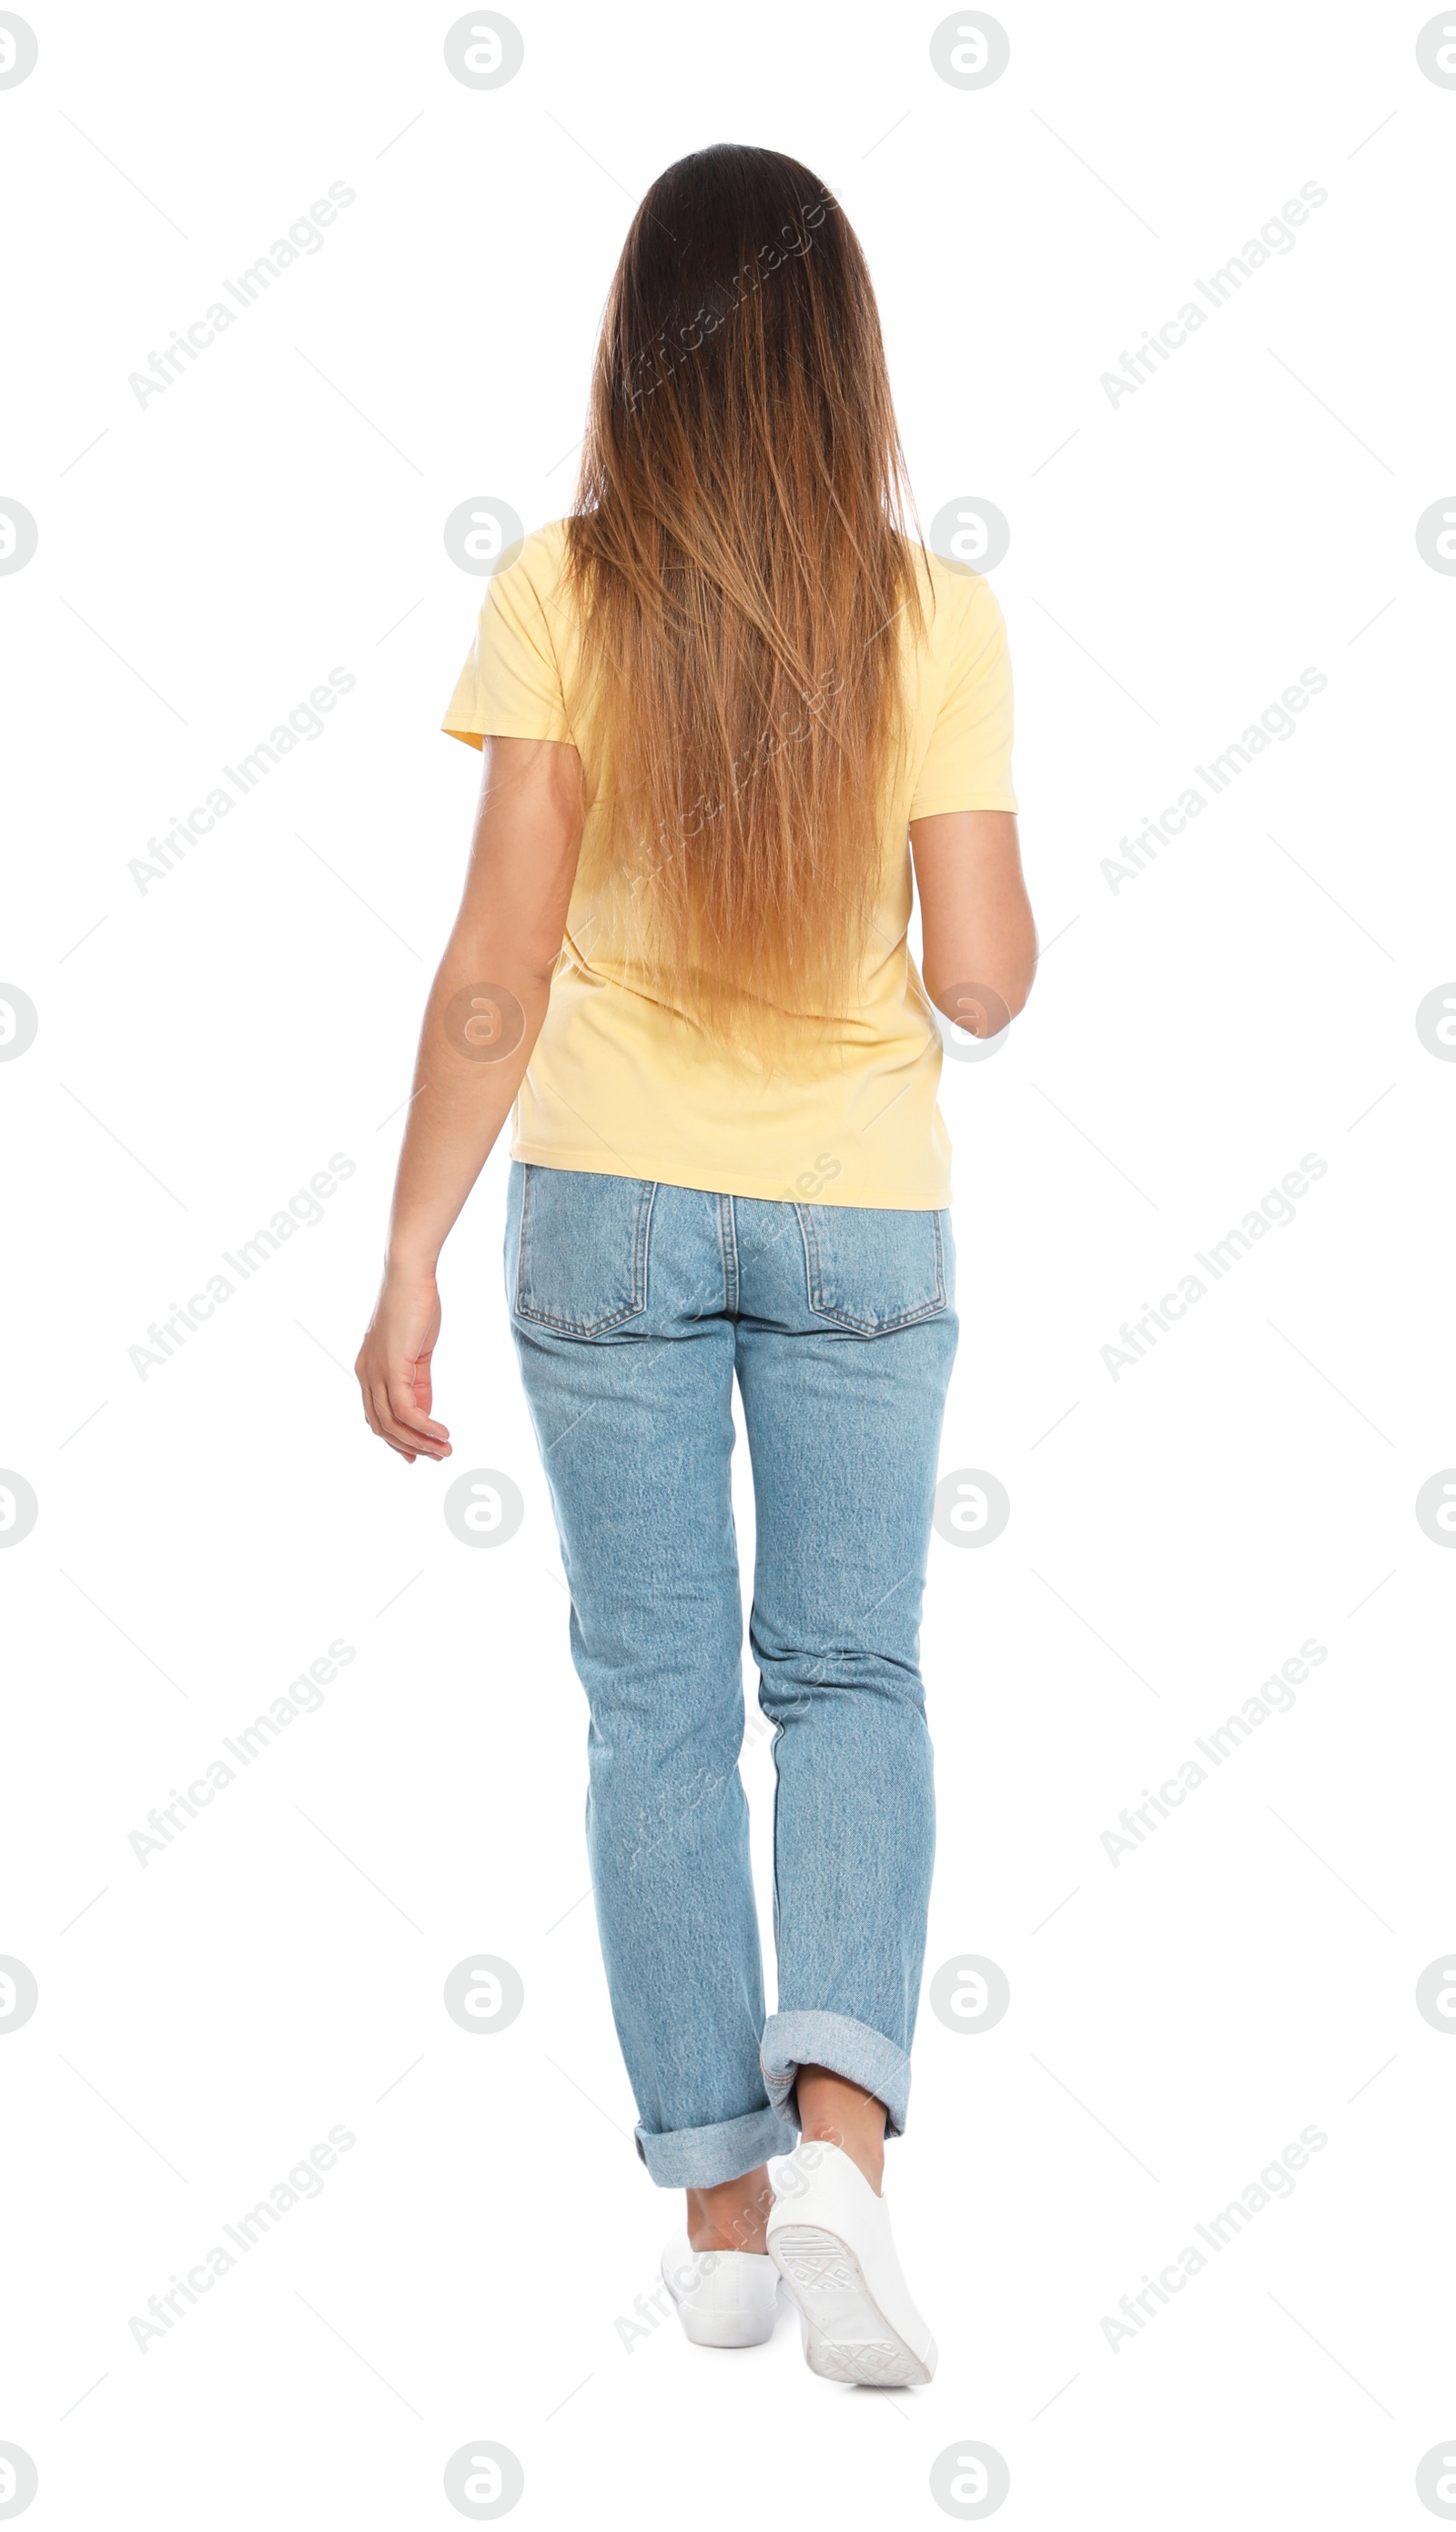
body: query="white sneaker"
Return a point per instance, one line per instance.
(724, 2298)
(830, 2238)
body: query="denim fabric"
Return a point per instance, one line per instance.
(633, 1307)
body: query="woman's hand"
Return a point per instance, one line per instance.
(500, 959)
(393, 1366)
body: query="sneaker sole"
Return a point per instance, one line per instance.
(846, 2337)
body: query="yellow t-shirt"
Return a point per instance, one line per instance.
(622, 1084)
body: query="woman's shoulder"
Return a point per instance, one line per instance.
(540, 557)
(529, 579)
(955, 598)
(549, 539)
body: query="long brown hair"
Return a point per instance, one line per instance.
(740, 561)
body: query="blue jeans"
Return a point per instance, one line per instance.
(633, 1305)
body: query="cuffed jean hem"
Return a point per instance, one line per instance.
(846, 2047)
(700, 2158)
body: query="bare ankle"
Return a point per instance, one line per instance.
(732, 2215)
(866, 2154)
(834, 2111)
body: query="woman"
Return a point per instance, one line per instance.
(712, 703)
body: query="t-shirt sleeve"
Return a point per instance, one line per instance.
(968, 762)
(510, 686)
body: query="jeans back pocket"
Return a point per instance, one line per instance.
(582, 1262)
(874, 1270)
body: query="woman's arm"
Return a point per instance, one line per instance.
(484, 1016)
(977, 924)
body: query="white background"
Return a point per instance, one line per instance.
(203, 1048)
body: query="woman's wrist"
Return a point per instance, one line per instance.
(411, 1265)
